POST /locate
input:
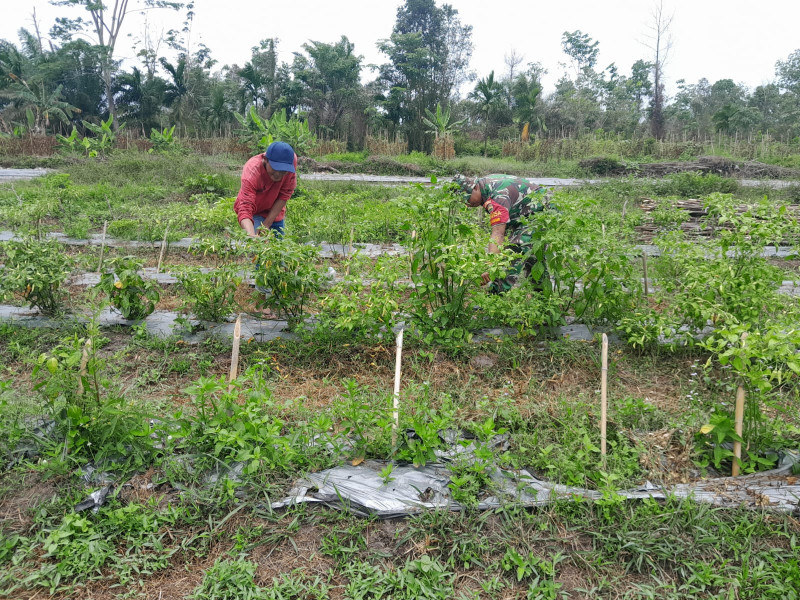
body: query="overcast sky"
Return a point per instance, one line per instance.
(715, 39)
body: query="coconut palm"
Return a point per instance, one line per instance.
(488, 94)
(526, 93)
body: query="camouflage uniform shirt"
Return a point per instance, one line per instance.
(509, 199)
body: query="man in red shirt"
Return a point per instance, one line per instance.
(268, 181)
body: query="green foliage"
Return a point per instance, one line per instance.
(523, 307)
(164, 141)
(215, 216)
(229, 579)
(363, 419)
(723, 281)
(127, 291)
(209, 295)
(207, 183)
(36, 270)
(259, 133)
(439, 123)
(668, 216)
(227, 431)
(289, 270)
(100, 145)
(92, 417)
(695, 185)
(448, 257)
(587, 259)
(357, 311)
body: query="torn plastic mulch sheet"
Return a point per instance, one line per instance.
(363, 491)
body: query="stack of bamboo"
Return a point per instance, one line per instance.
(695, 225)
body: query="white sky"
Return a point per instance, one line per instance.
(715, 39)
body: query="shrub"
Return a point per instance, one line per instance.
(695, 185)
(288, 270)
(128, 292)
(36, 270)
(448, 257)
(603, 165)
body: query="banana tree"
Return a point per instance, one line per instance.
(44, 104)
(439, 123)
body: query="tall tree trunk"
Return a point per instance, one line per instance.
(486, 135)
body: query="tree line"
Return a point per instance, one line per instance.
(50, 84)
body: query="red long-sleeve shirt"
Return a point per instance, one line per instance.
(258, 192)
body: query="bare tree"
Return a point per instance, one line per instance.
(513, 60)
(659, 41)
(106, 25)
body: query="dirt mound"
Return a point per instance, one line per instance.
(604, 165)
(717, 165)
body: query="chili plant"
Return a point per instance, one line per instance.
(210, 292)
(36, 270)
(589, 263)
(369, 310)
(288, 270)
(129, 293)
(448, 257)
(719, 282)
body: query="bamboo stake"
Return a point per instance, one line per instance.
(349, 251)
(644, 268)
(738, 423)
(604, 396)
(396, 398)
(163, 249)
(102, 246)
(237, 339)
(84, 362)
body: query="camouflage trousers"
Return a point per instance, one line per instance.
(519, 243)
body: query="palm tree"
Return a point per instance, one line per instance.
(252, 83)
(216, 113)
(526, 93)
(488, 93)
(140, 97)
(176, 94)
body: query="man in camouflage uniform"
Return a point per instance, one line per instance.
(508, 200)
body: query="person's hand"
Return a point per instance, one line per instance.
(485, 278)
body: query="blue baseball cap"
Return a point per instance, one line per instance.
(280, 156)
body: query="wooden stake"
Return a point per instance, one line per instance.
(163, 249)
(738, 422)
(349, 251)
(396, 399)
(237, 339)
(84, 362)
(102, 246)
(644, 268)
(624, 208)
(604, 395)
